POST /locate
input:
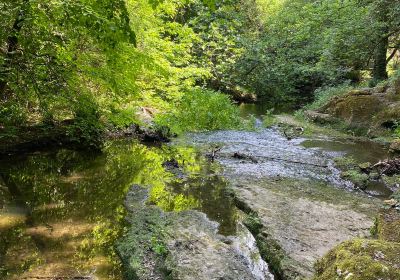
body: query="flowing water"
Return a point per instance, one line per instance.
(61, 211)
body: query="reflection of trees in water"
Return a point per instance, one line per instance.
(74, 203)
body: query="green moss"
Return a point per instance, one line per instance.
(357, 178)
(391, 181)
(388, 225)
(345, 163)
(279, 263)
(353, 171)
(361, 259)
(253, 223)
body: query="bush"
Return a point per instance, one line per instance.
(201, 110)
(86, 130)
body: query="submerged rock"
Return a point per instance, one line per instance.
(184, 245)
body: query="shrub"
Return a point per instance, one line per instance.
(86, 130)
(201, 110)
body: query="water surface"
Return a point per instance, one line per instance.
(61, 211)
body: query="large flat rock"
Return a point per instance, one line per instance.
(184, 245)
(304, 225)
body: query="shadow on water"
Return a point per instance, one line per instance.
(62, 210)
(260, 109)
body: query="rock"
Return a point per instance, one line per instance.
(360, 92)
(242, 156)
(391, 202)
(355, 109)
(320, 118)
(184, 245)
(371, 111)
(392, 182)
(395, 146)
(361, 259)
(388, 223)
(298, 230)
(297, 204)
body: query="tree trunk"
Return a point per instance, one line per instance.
(11, 47)
(380, 60)
(379, 72)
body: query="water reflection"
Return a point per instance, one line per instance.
(61, 211)
(260, 109)
(361, 151)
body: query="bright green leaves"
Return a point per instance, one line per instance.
(63, 49)
(201, 110)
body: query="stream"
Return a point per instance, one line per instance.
(62, 212)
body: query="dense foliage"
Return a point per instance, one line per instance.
(303, 45)
(99, 62)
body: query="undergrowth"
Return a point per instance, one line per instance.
(201, 110)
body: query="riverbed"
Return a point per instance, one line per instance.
(63, 211)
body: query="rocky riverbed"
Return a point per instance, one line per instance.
(303, 205)
(293, 207)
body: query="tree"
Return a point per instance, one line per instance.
(386, 16)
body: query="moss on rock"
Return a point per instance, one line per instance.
(388, 225)
(355, 109)
(356, 177)
(395, 146)
(364, 259)
(372, 112)
(361, 259)
(392, 182)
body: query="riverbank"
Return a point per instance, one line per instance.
(367, 112)
(22, 140)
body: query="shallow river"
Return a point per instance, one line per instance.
(62, 210)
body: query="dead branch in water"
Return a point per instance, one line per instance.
(211, 156)
(388, 167)
(255, 160)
